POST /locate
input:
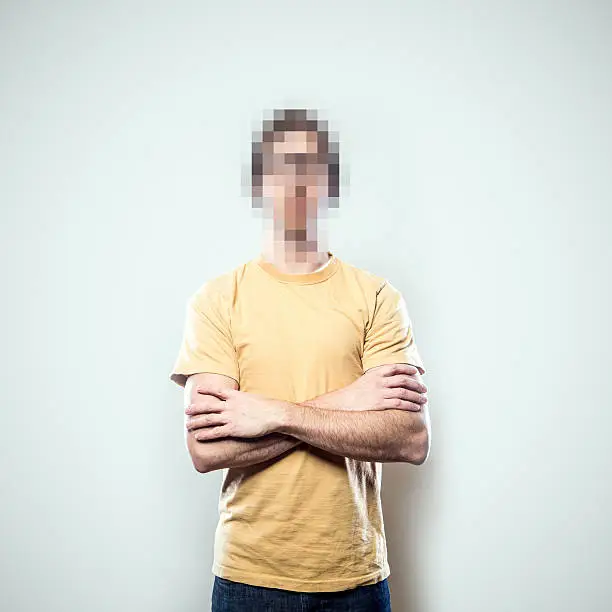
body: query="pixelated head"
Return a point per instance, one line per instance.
(294, 166)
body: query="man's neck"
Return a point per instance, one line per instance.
(296, 257)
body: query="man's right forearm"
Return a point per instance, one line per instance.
(241, 452)
(238, 452)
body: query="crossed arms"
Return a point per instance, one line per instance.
(382, 416)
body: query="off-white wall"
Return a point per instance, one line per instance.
(478, 136)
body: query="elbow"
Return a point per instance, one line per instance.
(199, 464)
(201, 467)
(420, 456)
(202, 460)
(417, 450)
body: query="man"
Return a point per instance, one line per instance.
(301, 376)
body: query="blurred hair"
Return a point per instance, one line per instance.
(295, 120)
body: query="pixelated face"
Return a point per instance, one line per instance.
(294, 180)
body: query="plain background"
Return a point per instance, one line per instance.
(477, 135)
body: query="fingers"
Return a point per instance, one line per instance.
(221, 393)
(206, 420)
(204, 405)
(406, 394)
(397, 403)
(212, 433)
(209, 393)
(398, 368)
(404, 380)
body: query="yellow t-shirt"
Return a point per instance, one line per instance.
(308, 520)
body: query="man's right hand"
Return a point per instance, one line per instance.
(396, 386)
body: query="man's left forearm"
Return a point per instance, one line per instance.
(377, 435)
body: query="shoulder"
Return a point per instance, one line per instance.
(382, 298)
(372, 283)
(220, 289)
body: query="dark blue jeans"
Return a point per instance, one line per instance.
(229, 596)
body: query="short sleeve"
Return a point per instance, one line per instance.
(207, 344)
(389, 336)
